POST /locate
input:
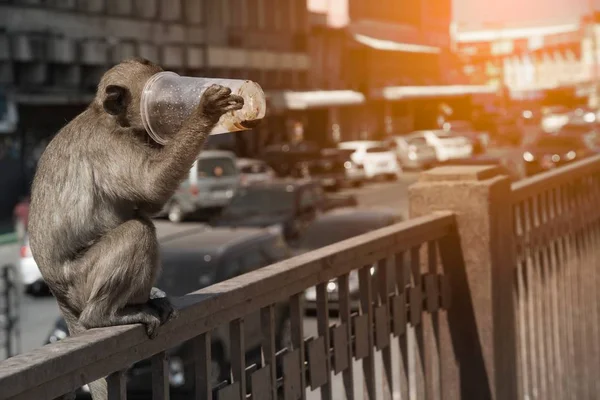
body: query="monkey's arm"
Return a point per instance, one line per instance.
(167, 168)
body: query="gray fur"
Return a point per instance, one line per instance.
(96, 185)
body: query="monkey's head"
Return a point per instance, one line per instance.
(120, 90)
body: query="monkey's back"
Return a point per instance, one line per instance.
(66, 211)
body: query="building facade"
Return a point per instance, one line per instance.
(53, 52)
(532, 61)
(401, 56)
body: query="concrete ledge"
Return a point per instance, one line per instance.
(460, 173)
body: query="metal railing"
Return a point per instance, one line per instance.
(399, 294)
(557, 241)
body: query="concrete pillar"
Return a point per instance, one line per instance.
(478, 356)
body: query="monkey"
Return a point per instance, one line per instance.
(97, 184)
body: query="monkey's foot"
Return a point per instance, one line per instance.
(164, 307)
(156, 293)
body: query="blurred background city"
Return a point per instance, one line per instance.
(362, 95)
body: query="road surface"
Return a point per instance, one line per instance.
(39, 314)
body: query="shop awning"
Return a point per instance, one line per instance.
(9, 116)
(415, 92)
(291, 100)
(390, 45)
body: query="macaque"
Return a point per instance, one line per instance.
(97, 184)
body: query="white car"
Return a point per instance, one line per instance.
(252, 170)
(31, 277)
(448, 145)
(377, 159)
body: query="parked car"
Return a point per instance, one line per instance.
(553, 118)
(287, 203)
(377, 159)
(478, 140)
(551, 151)
(210, 186)
(305, 160)
(252, 170)
(31, 277)
(334, 227)
(192, 261)
(448, 145)
(354, 173)
(21, 218)
(413, 151)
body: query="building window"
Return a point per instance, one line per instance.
(94, 6)
(214, 13)
(146, 9)
(170, 10)
(253, 13)
(193, 10)
(269, 14)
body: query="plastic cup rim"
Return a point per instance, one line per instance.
(144, 112)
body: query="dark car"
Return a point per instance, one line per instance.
(287, 203)
(336, 226)
(306, 160)
(192, 260)
(551, 151)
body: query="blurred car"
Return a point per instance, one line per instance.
(413, 151)
(192, 261)
(21, 217)
(252, 170)
(334, 227)
(553, 118)
(465, 128)
(377, 159)
(551, 151)
(210, 185)
(286, 203)
(306, 160)
(31, 277)
(448, 145)
(354, 173)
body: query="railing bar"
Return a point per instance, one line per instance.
(201, 346)
(160, 376)
(345, 319)
(431, 331)
(546, 297)
(557, 303)
(117, 385)
(382, 274)
(530, 305)
(417, 362)
(518, 299)
(269, 351)
(585, 278)
(323, 331)
(366, 304)
(569, 298)
(238, 354)
(402, 284)
(572, 254)
(297, 321)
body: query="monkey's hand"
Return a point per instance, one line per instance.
(218, 100)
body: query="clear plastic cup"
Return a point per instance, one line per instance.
(168, 99)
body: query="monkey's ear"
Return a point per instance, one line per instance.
(116, 100)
